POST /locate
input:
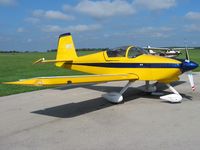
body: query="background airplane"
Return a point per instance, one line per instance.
(129, 63)
(167, 52)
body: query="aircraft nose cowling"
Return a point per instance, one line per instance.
(186, 66)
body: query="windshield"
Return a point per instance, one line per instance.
(117, 52)
(136, 51)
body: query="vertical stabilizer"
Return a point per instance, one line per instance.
(66, 49)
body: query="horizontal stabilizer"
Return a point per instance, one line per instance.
(64, 80)
(42, 60)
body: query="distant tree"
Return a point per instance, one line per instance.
(52, 50)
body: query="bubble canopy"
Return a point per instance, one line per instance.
(126, 51)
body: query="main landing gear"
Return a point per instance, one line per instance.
(116, 97)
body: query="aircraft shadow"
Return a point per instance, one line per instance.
(71, 110)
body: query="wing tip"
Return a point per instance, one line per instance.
(11, 83)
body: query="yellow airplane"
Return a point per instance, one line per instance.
(129, 63)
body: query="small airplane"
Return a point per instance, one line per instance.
(128, 63)
(166, 52)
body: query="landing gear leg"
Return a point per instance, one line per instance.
(116, 97)
(173, 98)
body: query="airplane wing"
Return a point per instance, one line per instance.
(165, 49)
(156, 48)
(181, 48)
(64, 80)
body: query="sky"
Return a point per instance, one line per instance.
(35, 25)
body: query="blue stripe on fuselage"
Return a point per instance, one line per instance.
(131, 65)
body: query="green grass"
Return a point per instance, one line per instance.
(19, 66)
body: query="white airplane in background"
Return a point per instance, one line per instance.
(166, 52)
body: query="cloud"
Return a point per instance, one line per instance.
(32, 20)
(155, 4)
(193, 15)
(109, 8)
(67, 7)
(150, 29)
(192, 28)
(102, 9)
(82, 28)
(20, 30)
(52, 28)
(76, 28)
(51, 14)
(8, 2)
(157, 32)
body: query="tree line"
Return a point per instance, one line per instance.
(54, 50)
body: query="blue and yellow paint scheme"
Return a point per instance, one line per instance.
(122, 63)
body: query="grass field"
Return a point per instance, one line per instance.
(19, 66)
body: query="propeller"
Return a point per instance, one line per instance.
(190, 75)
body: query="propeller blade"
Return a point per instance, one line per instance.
(187, 54)
(191, 80)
